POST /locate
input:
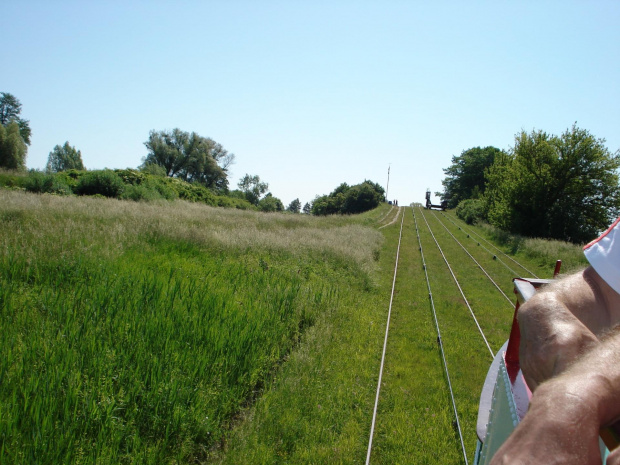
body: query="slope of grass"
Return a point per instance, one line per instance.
(540, 254)
(135, 332)
(179, 333)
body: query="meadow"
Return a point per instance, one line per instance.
(173, 332)
(134, 332)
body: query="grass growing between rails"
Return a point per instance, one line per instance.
(133, 332)
(538, 254)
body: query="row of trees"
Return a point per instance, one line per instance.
(562, 187)
(255, 191)
(183, 155)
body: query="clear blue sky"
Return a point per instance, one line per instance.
(309, 94)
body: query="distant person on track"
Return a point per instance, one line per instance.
(570, 357)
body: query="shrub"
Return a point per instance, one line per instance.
(12, 179)
(140, 192)
(130, 176)
(153, 169)
(471, 210)
(40, 183)
(347, 199)
(162, 186)
(105, 182)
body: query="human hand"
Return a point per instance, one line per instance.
(551, 338)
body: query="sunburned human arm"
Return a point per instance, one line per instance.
(567, 412)
(562, 321)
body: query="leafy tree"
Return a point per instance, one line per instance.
(363, 197)
(253, 188)
(12, 147)
(465, 177)
(562, 187)
(10, 109)
(269, 203)
(294, 206)
(307, 208)
(347, 199)
(190, 157)
(63, 158)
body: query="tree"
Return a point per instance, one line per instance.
(253, 188)
(64, 158)
(12, 147)
(562, 187)
(294, 206)
(465, 178)
(347, 199)
(269, 203)
(363, 197)
(10, 109)
(190, 157)
(307, 208)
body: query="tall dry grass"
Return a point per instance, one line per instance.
(81, 223)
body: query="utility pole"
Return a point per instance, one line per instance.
(387, 188)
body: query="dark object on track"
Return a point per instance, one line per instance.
(429, 205)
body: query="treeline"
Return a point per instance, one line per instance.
(178, 164)
(558, 187)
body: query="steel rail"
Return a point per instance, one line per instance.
(439, 340)
(459, 287)
(387, 330)
(510, 302)
(495, 247)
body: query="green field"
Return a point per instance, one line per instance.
(167, 332)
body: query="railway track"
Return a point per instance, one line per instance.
(450, 310)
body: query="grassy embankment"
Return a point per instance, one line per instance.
(134, 332)
(138, 332)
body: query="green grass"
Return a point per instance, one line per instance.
(173, 332)
(135, 333)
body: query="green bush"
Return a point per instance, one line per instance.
(41, 183)
(12, 179)
(105, 182)
(140, 192)
(162, 186)
(153, 169)
(131, 176)
(233, 202)
(347, 199)
(471, 210)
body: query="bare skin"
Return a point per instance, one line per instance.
(567, 412)
(570, 358)
(562, 322)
